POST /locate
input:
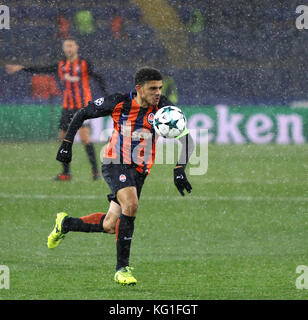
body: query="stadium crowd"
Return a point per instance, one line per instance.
(236, 52)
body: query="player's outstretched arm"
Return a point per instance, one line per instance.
(65, 151)
(98, 78)
(13, 68)
(95, 109)
(180, 179)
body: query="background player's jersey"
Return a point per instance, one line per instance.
(133, 139)
(75, 80)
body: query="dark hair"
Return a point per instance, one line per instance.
(70, 39)
(147, 74)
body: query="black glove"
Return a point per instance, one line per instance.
(65, 152)
(181, 181)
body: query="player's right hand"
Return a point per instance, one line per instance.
(12, 68)
(65, 152)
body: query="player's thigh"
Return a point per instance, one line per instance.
(128, 200)
(84, 133)
(112, 217)
(118, 176)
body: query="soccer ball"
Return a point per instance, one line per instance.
(169, 122)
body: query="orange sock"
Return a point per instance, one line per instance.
(94, 218)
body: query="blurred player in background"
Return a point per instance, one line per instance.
(74, 73)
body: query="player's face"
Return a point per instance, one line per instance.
(70, 48)
(150, 92)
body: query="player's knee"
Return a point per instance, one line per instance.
(108, 227)
(130, 208)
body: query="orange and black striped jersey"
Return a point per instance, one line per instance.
(75, 81)
(133, 139)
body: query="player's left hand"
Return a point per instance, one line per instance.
(65, 152)
(180, 180)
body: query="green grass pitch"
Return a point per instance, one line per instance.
(239, 235)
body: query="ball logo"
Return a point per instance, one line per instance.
(151, 118)
(122, 178)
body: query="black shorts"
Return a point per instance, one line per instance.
(66, 118)
(119, 176)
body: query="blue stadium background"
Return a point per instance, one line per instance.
(247, 53)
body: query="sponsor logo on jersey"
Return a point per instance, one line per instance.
(141, 134)
(122, 178)
(138, 134)
(70, 78)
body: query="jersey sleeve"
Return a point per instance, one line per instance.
(45, 69)
(103, 106)
(98, 108)
(188, 146)
(98, 78)
(164, 101)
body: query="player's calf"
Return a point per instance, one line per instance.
(109, 226)
(90, 223)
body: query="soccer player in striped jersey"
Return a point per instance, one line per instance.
(127, 161)
(74, 73)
